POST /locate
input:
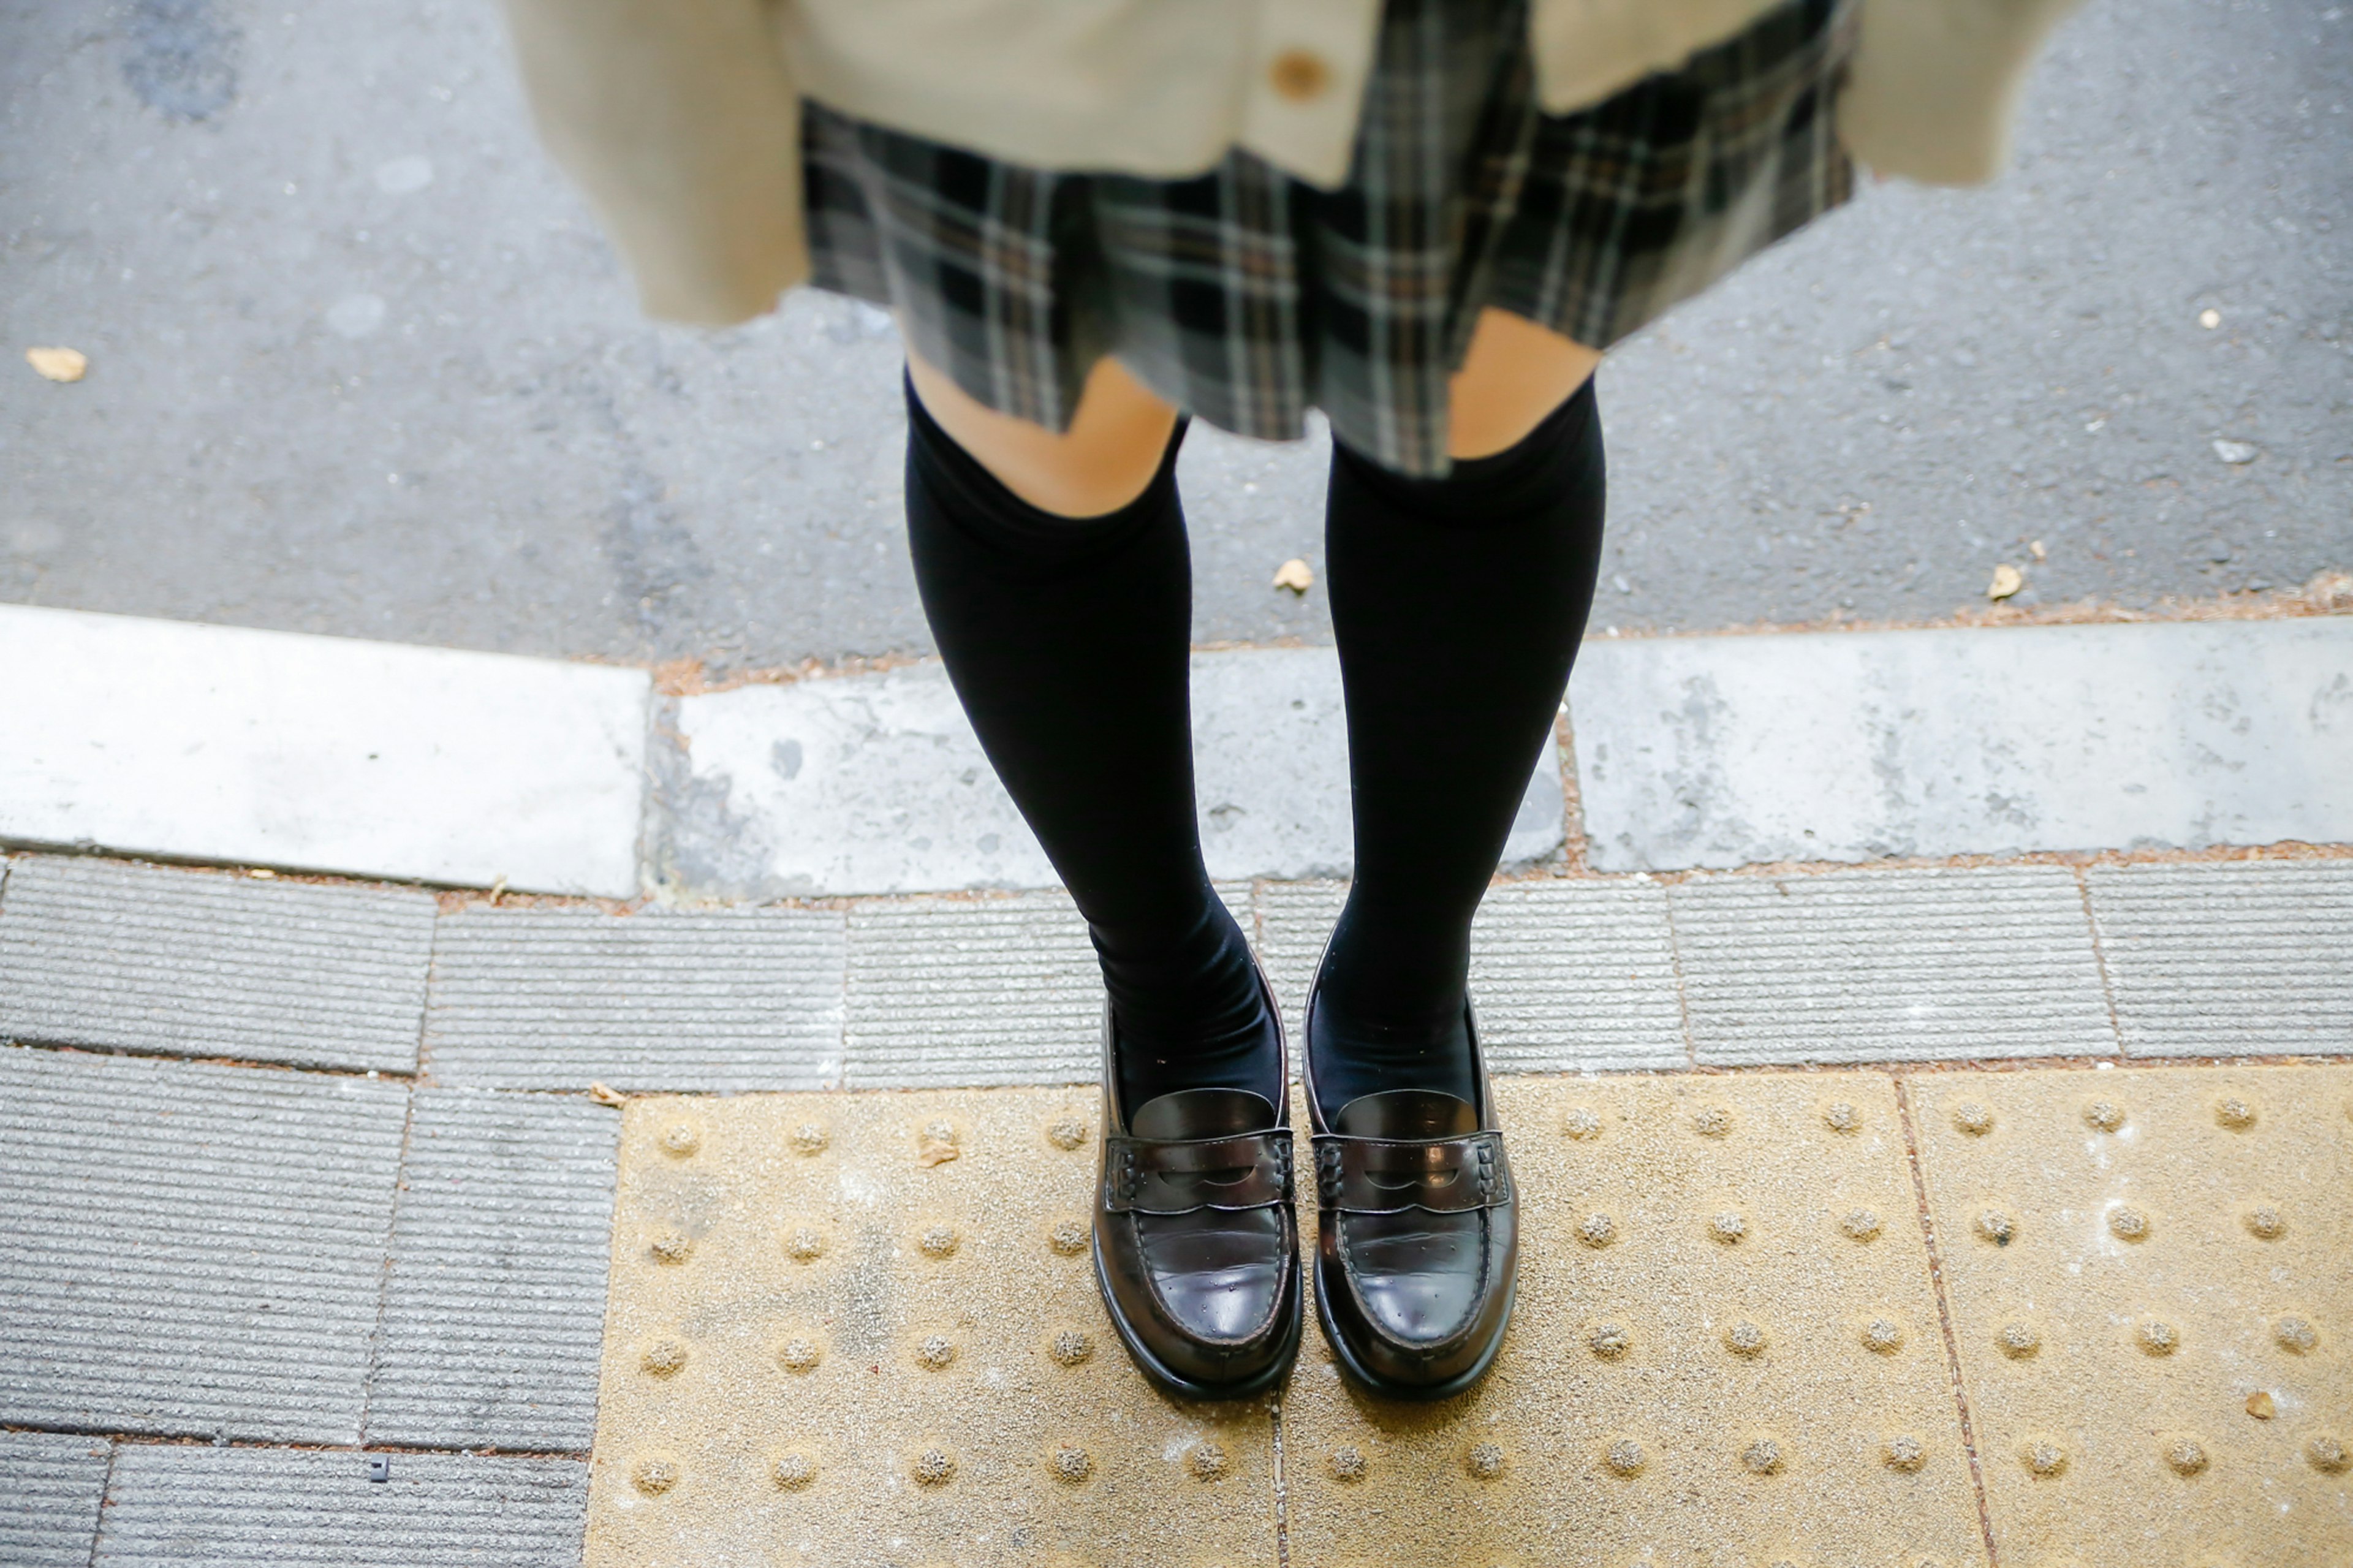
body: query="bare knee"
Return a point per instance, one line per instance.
(1515, 373)
(1113, 446)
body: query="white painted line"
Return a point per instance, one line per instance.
(1729, 751)
(875, 783)
(326, 753)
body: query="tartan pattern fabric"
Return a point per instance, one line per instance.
(1246, 297)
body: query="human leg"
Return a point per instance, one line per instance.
(1457, 604)
(1068, 639)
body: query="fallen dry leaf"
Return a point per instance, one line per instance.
(2262, 1406)
(1296, 575)
(59, 365)
(2040, 553)
(2007, 580)
(2210, 319)
(604, 1094)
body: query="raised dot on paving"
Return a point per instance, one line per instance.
(1860, 1225)
(1347, 1462)
(1597, 1230)
(1904, 1452)
(882, 1347)
(1744, 1338)
(1580, 1122)
(1639, 1374)
(2109, 1353)
(1883, 1336)
(1067, 1133)
(1485, 1460)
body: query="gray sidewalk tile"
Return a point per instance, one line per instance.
(1856, 746)
(2222, 960)
(50, 1487)
(1896, 965)
(946, 992)
(1293, 919)
(188, 1248)
(1571, 975)
(495, 1304)
(731, 1001)
(94, 953)
(278, 1508)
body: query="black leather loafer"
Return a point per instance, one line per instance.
(1196, 1243)
(1417, 1233)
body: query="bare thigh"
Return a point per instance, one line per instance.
(1515, 373)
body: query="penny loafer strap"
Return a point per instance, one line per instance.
(1389, 1175)
(1165, 1175)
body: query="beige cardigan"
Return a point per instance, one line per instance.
(682, 118)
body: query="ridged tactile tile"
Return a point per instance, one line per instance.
(2216, 961)
(50, 1486)
(1726, 1350)
(972, 991)
(2149, 1289)
(831, 1342)
(187, 1249)
(95, 953)
(495, 1302)
(1900, 965)
(744, 999)
(1574, 975)
(1293, 919)
(279, 1507)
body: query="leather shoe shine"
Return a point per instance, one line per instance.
(1417, 1233)
(1196, 1245)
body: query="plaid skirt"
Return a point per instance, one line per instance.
(1245, 297)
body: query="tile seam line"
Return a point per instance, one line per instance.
(2100, 962)
(1944, 1315)
(1281, 1489)
(121, 1439)
(160, 1054)
(383, 1263)
(105, 1491)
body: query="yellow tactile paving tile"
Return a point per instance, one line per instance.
(1726, 1353)
(861, 1329)
(2150, 1274)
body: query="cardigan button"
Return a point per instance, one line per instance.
(1299, 75)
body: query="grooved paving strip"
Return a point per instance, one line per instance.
(1726, 1350)
(50, 1486)
(495, 1303)
(2150, 1295)
(984, 990)
(745, 999)
(1918, 965)
(190, 1249)
(829, 1342)
(265, 1507)
(2228, 958)
(1294, 918)
(94, 953)
(1569, 975)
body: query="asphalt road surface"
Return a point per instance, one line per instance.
(361, 363)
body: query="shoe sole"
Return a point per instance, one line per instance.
(1186, 1387)
(1412, 1393)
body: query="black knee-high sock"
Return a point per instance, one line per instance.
(1069, 641)
(1458, 604)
